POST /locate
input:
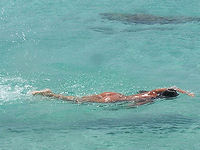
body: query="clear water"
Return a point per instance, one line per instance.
(66, 46)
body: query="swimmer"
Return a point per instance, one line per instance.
(143, 97)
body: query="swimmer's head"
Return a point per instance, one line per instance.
(169, 93)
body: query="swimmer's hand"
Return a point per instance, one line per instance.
(42, 92)
(191, 94)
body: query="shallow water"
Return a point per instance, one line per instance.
(66, 46)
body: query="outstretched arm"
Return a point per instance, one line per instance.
(182, 91)
(158, 91)
(49, 93)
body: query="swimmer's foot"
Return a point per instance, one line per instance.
(42, 92)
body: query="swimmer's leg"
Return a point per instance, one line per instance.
(49, 93)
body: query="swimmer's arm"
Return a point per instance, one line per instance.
(182, 91)
(142, 102)
(49, 93)
(157, 91)
(175, 88)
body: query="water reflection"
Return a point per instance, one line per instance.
(161, 124)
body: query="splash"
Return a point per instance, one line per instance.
(12, 89)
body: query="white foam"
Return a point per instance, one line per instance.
(12, 89)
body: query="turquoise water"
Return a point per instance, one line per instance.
(66, 46)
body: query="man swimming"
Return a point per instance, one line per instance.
(141, 98)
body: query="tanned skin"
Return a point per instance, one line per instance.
(110, 97)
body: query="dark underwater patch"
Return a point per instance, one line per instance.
(147, 18)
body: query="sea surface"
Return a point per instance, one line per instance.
(67, 46)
